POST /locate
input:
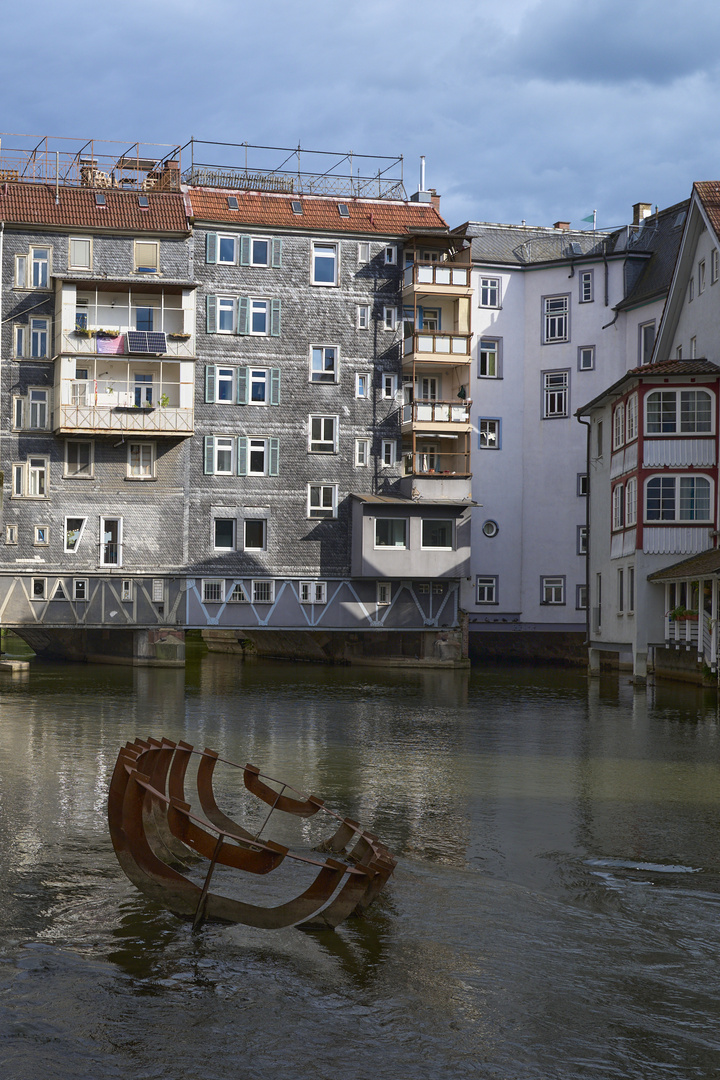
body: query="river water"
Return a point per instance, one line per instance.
(555, 912)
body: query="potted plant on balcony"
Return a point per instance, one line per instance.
(179, 336)
(82, 331)
(682, 614)
(107, 333)
(163, 401)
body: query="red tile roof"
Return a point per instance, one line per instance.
(319, 214)
(34, 204)
(709, 194)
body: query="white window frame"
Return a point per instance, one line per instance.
(383, 593)
(388, 386)
(104, 544)
(89, 469)
(235, 241)
(489, 293)
(489, 433)
(619, 426)
(30, 477)
(260, 306)
(680, 426)
(364, 254)
(321, 354)
(21, 272)
(232, 546)
(225, 305)
(581, 597)
(11, 534)
(486, 589)
(312, 592)
(556, 394)
(325, 507)
(390, 318)
(319, 248)
(490, 358)
(631, 502)
(363, 316)
(263, 591)
(323, 434)
(701, 276)
(80, 589)
(362, 453)
(263, 544)
(391, 255)
(436, 547)
(66, 533)
(238, 594)
(147, 264)
(582, 485)
(213, 590)
(145, 469)
(126, 590)
(618, 507)
(552, 590)
(257, 445)
(556, 319)
(395, 546)
(631, 418)
(230, 448)
(646, 347)
(691, 290)
(41, 535)
(677, 479)
(362, 384)
(582, 540)
(20, 339)
(586, 284)
(40, 268)
(714, 265)
(38, 588)
(388, 453)
(38, 338)
(225, 377)
(73, 264)
(586, 358)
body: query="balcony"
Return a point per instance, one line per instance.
(434, 348)
(109, 319)
(150, 401)
(93, 343)
(443, 278)
(423, 415)
(434, 462)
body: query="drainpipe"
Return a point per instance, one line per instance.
(2, 242)
(586, 423)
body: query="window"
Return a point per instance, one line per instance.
(691, 290)
(391, 532)
(37, 409)
(618, 506)
(586, 358)
(678, 353)
(312, 592)
(646, 342)
(323, 431)
(487, 590)
(363, 253)
(581, 597)
(78, 459)
(489, 359)
(701, 276)
(388, 386)
(489, 434)
(39, 588)
(20, 338)
(714, 266)
(213, 590)
(158, 590)
(677, 498)
(552, 590)
(437, 534)
(586, 286)
(362, 385)
(31, 479)
(693, 347)
(362, 452)
(618, 426)
(141, 460)
(257, 457)
(259, 389)
(41, 535)
(73, 532)
(661, 412)
(224, 383)
(620, 591)
(40, 262)
(555, 319)
(226, 250)
(147, 256)
(599, 439)
(39, 338)
(80, 254)
(220, 455)
(383, 593)
(11, 534)
(390, 318)
(388, 453)
(324, 264)
(391, 255)
(582, 538)
(630, 589)
(111, 541)
(631, 418)
(582, 483)
(21, 271)
(322, 500)
(263, 591)
(255, 534)
(258, 316)
(238, 594)
(555, 394)
(224, 534)
(489, 292)
(631, 502)
(324, 364)
(225, 315)
(80, 589)
(363, 316)
(126, 590)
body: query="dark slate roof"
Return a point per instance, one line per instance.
(660, 235)
(708, 562)
(34, 204)
(682, 368)
(522, 245)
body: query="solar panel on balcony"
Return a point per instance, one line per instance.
(146, 341)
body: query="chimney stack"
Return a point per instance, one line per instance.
(641, 210)
(564, 226)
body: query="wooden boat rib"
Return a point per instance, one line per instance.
(158, 837)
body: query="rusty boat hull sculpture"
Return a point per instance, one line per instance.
(160, 841)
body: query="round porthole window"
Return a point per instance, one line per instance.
(490, 528)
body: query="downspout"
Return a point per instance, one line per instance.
(2, 242)
(607, 273)
(586, 423)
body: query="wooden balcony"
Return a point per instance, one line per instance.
(108, 419)
(423, 346)
(441, 278)
(430, 416)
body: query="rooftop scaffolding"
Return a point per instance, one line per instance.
(89, 163)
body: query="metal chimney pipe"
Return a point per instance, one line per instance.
(422, 172)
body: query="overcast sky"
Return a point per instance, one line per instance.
(525, 109)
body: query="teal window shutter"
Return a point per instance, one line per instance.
(275, 318)
(211, 314)
(211, 245)
(242, 445)
(242, 386)
(275, 386)
(244, 250)
(274, 446)
(210, 382)
(243, 305)
(209, 454)
(276, 257)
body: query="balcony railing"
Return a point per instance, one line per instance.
(105, 418)
(432, 463)
(427, 343)
(441, 274)
(436, 412)
(88, 344)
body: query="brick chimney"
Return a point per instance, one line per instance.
(641, 210)
(435, 199)
(564, 226)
